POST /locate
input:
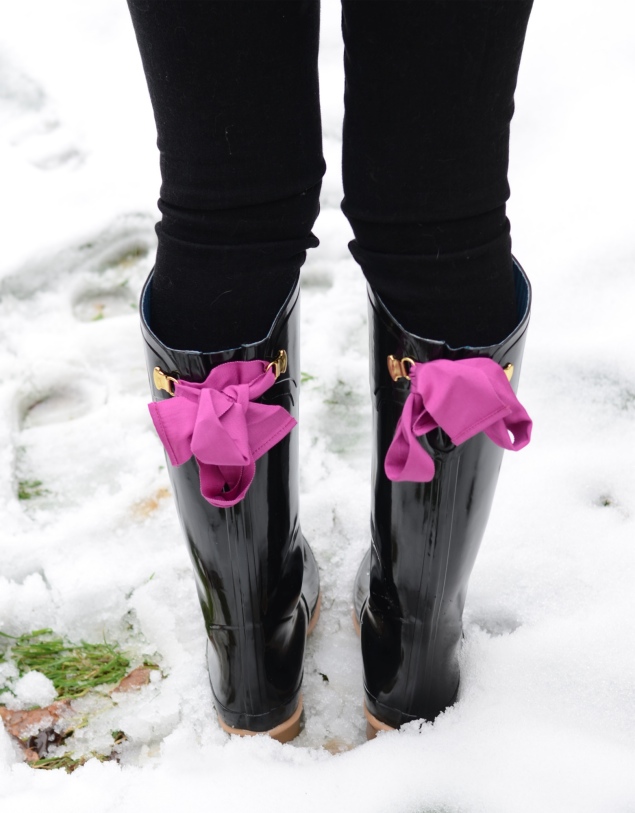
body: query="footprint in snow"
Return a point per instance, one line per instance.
(94, 304)
(49, 410)
(120, 253)
(62, 440)
(61, 402)
(498, 623)
(30, 123)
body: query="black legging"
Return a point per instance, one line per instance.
(429, 98)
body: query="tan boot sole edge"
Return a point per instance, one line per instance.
(373, 725)
(284, 732)
(289, 729)
(358, 629)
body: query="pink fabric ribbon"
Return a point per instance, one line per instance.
(463, 398)
(219, 423)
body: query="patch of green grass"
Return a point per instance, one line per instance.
(66, 761)
(343, 395)
(306, 377)
(74, 669)
(52, 763)
(30, 489)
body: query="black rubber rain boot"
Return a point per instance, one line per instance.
(256, 577)
(410, 589)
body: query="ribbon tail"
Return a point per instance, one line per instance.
(267, 425)
(174, 421)
(518, 423)
(406, 459)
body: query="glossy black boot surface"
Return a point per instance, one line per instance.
(256, 577)
(411, 587)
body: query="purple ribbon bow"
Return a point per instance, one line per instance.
(463, 398)
(219, 424)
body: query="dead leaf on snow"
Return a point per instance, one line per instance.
(36, 730)
(134, 680)
(337, 746)
(25, 724)
(143, 508)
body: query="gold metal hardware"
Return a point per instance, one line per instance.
(279, 364)
(508, 369)
(397, 367)
(162, 381)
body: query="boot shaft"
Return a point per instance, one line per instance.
(250, 558)
(425, 535)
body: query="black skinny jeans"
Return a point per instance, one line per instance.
(428, 103)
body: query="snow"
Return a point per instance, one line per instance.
(546, 714)
(32, 689)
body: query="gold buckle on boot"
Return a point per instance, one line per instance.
(279, 364)
(397, 367)
(164, 382)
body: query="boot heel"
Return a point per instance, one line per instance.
(283, 732)
(291, 727)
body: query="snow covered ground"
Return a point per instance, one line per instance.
(546, 715)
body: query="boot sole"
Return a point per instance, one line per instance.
(290, 728)
(373, 725)
(285, 732)
(358, 629)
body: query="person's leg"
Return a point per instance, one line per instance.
(235, 94)
(234, 88)
(429, 99)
